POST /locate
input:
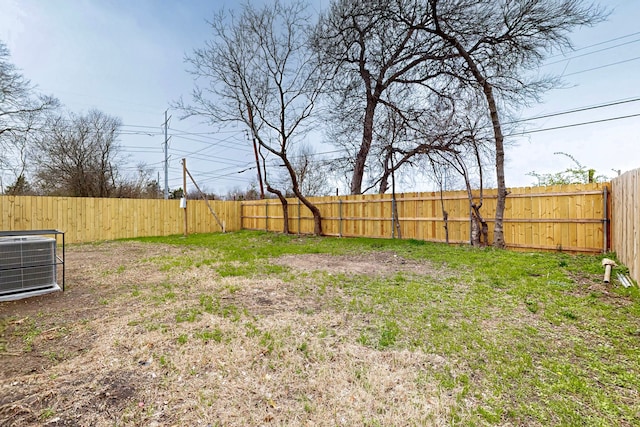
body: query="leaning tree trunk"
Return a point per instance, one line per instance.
(285, 207)
(317, 217)
(367, 135)
(445, 217)
(480, 228)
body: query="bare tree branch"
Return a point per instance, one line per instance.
(258, 69)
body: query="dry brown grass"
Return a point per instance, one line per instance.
(131, 343)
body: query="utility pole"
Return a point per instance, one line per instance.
(166, 156)
(184, 195)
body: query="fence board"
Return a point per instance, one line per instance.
(91, 219)
(569, 217)
(548, 218)
(625, 220)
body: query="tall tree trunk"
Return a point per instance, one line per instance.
(285, 207)
(365, 146)
(283, 200)
(487, 90)
(388, 171)
(384, 183)
(317, 217)
(481, 229)
(498, 229)
(396, 220)
(474, 238)
(445, 216)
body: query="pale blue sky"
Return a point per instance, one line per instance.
(602, 146)
(126, 59)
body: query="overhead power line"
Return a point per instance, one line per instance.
(139, 126)
(184, 132)
(597, 44)
(591, 53)
(213, 144)
(610, 119)
(147, 150)
(602, 66)
(184, 153)
(578, 110)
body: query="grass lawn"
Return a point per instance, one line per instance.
(251, 328)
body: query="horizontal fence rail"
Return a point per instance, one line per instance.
(86, 219)
(568, 217)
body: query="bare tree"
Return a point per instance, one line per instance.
(279, 194)
(408, 131)
(250, 193)
(258, 70)
(20, 187)
(494, 44)
(78, 155)
(312, 172)
(489, 47)
(440, 174)
(469, 163)
(22, 113)
(374, 46)
(140, 185)
(15, 149)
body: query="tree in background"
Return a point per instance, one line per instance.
(139, 186)
(457, 50)
(494, 46)
(250, 193)
(579, 174)
(469, 161)
(78, 155)
(406, 133)
(21, 187)
(374, 47)
(22, 114)
(258, 70)
(16, 149)
(312, 173)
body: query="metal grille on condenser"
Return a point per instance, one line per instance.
(26, 264)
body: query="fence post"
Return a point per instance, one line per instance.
(605, 221)
(266, 215)
(339, 218)
(298, 217)
(393, 217)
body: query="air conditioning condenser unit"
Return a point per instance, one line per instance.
(28, 267)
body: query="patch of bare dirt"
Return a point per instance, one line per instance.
(588, 284)
(268, 297)
(40, 332)
(371, 263)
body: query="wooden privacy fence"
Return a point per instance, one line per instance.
(91, 219)
(568, 217)
(625, 220)
(571, 218)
